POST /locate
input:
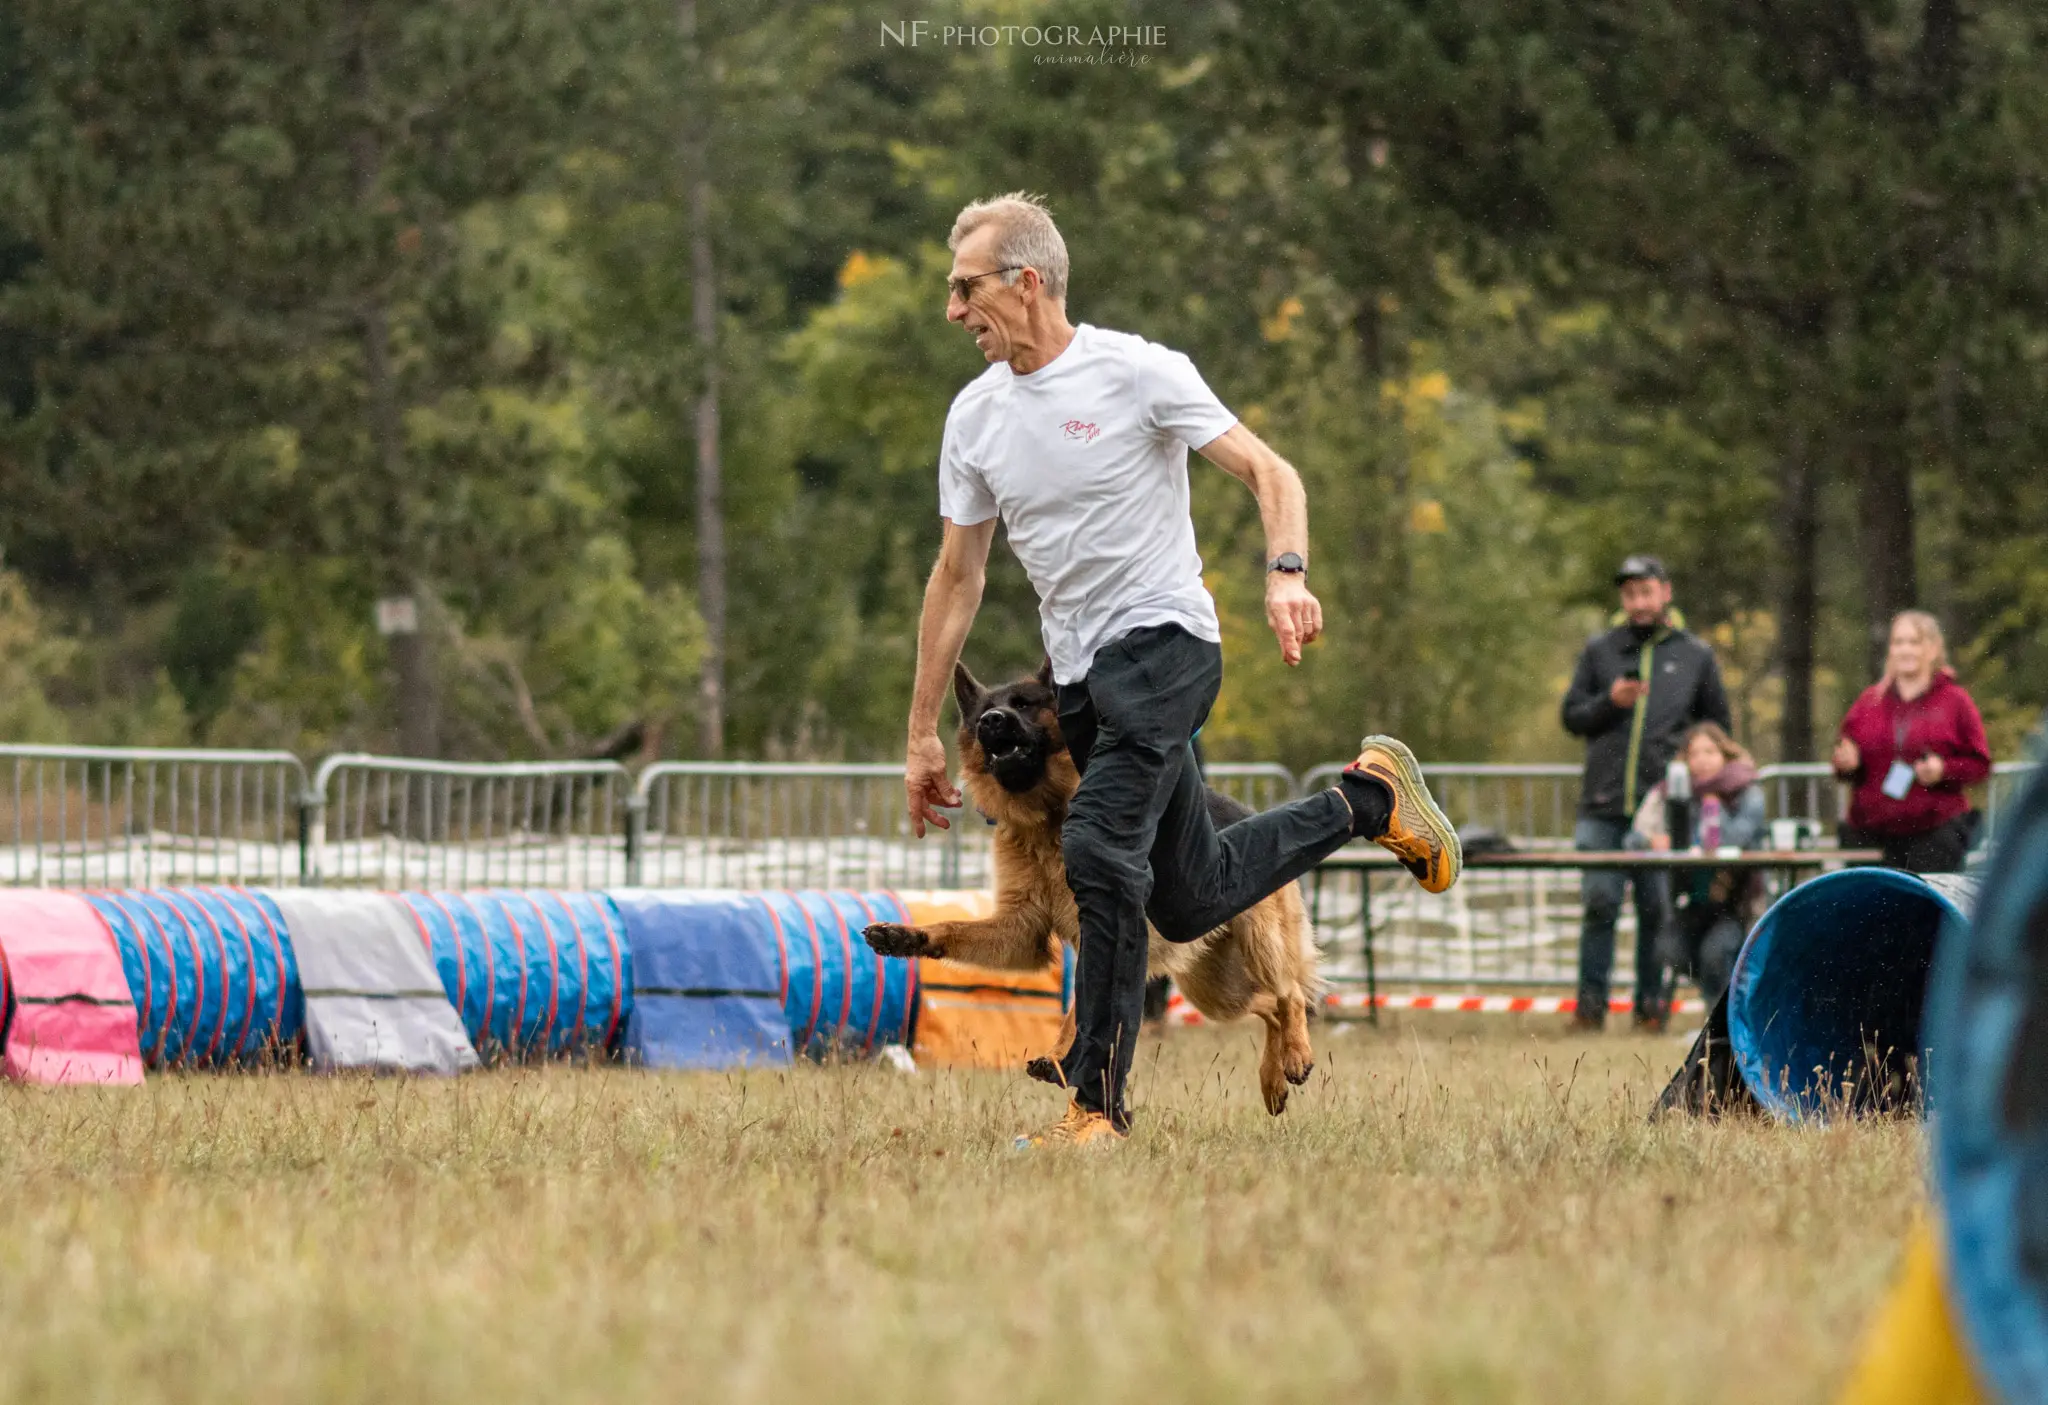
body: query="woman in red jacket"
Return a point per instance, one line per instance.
(1909, 745)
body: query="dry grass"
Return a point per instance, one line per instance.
(1450, 1213)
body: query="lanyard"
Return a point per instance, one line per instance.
(1902, 724)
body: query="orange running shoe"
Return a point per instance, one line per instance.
(1080, 1127)
(1417, 834)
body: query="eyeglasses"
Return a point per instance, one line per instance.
(963, 288)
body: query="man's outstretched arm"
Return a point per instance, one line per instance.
(951, 598)
(1295, 615)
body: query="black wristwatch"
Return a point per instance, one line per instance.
(1289, 562)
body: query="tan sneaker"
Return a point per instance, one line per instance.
(1080, 1127)
(1417, 834)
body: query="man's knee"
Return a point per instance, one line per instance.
(1100, 861)
(1179, 913)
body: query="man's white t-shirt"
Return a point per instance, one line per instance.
(1086, 461)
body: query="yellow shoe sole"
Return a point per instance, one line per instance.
(1414, 804)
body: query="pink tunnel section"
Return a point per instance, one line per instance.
(73, 1017)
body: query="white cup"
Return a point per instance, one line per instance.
(1784, 835)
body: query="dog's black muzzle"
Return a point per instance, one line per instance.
(1014, 750)
(1001, 732)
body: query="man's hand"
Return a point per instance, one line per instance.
(1296, 615)
(928, 785)
(1847, 758)
(1928, 770)
(1625, 691)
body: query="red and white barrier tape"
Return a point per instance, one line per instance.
(1180, 1012)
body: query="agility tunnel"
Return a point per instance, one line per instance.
(212, 971)
(840, 997)
(1987, 1022)
(973, 1017)
(1824, 1007)
(709, 981)
(214, 978)
(1967, 1321)
(65, 1000)
(1824, 1010)
(532, 973)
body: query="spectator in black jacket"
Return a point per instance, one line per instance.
(1636, 692)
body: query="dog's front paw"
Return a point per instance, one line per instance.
(895, 939)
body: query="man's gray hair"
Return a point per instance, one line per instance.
(1026, 236)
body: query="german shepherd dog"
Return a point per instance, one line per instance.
(1017, 772)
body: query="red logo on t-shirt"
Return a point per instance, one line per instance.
(1081, 430)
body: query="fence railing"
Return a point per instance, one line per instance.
(390, 822)
(139, 816)
(107, 816)
(1259, 784)
(1521, 927)
(1532, 804)
(714, 824)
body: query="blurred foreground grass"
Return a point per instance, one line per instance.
(1450, 1212)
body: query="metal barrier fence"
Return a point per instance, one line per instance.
(709, 824)
(388, 822)
(1495, 927)
(101, 816)
(712, 824)
(1536, 804)
(1513, 928)
(138, 816)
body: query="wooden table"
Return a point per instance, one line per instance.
(1788, 862)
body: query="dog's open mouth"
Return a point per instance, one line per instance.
(1004, 740)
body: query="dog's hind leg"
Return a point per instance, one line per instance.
(1273, 1074)
(1298, 1056)
(1282, 964)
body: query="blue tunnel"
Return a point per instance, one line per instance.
(211, 971)
(1824, 1009)
(838, 994)
(1987, 1023)
(532, 972)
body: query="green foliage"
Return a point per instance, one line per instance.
(213, 621)
(30, 660)
(1518, 287)
(1431, 553)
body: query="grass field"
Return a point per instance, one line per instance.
(1451, 1212)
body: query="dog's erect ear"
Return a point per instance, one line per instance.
(1045, 671)
(966, 691)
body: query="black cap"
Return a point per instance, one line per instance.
(1641, 568)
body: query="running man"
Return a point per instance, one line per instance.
(1078, 438)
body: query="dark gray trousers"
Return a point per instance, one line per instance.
(1139, 840)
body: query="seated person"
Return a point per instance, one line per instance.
(1714, 907)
